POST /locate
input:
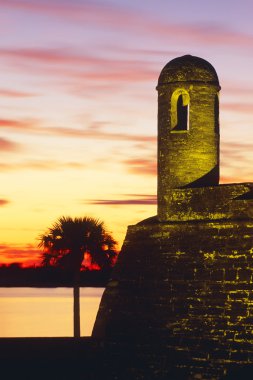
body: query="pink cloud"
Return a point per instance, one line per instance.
(48, 56)
(18, 124)
(15, 94)
(211, 35)
(229, 87)
(7, 145)
(236, 162)
(98, 134)
(88, 11)
(235, 152)
(238, 107)
(141, 166)
(120, 17)
(94, 131)
(68, 64)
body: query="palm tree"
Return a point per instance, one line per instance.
(66, 244)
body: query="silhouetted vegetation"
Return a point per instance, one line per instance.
(69, 244)
(75, 243)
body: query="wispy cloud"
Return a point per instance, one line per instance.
(50, 56)
(236, 162)
(127, 66)
(66, 63)
(41, 165)
(131, 199)
(94, 131)
(4, 92)
(211, 35)
(238, 107)
(22, 125)
(234, 152)
(122, 18)
(88, 11)
(229, 87)
(141, 166)
(99, 134)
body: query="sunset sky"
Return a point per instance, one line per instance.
(79, 106)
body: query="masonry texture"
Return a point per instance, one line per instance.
(187, 157)
(180, 301)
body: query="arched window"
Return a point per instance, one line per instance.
(180, 102)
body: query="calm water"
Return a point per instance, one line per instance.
(45, 312)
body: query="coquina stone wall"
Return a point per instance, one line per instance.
(180, 302)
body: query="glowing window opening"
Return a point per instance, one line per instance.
(180, 104)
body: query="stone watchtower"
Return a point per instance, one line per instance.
(188, 128)
(180, 301)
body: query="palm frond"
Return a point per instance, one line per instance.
(67, 241)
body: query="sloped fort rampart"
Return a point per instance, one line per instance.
(180, 301)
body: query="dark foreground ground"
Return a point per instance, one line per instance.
(50, 358)
(84, 358)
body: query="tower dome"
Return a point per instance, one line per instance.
(188, 68)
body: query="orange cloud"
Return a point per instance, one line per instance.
(26, 255)
(4, 202)
(18, 124)
(142, 166)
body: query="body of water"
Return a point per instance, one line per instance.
(46, 312)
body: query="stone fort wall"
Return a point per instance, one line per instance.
(182, 296)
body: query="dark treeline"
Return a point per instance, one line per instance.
(14, 275)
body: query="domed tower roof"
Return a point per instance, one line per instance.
(188, 69)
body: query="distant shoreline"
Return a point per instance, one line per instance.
(50, 278)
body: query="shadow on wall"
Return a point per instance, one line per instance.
(212, 177)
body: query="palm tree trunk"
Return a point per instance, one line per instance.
(76, 293)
